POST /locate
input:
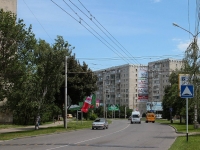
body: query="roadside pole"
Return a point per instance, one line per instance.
(65, 114)
(187, 118)
(187, 91)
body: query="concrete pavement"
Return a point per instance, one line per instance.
(28, 128)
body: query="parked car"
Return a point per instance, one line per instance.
(100, 123)
(69, 116)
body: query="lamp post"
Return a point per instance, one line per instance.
(104, 95)
(65, 117)
(194, 65)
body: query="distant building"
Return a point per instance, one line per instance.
(125, 85)
(159, 72)
(136, 86)
(7, 5)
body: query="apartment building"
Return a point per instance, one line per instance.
(7, 5)
(125, 85)
(136, 86)
(159, 72)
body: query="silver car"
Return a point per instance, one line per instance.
(100, 123)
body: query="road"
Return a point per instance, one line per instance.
(120, 135)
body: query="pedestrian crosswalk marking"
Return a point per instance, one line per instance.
(187, 91)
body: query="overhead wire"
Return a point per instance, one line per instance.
(87, 29)
(94, 30)
(107, 31)
(142, 57)
(100, 29)
(37, 20)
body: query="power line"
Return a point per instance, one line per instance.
(106, 30)
(93, 29)
(99, 28)
(37, 20)
(88, 29)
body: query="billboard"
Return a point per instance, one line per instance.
(142, 84)
(154, 106)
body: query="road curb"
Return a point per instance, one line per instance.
(184, 133)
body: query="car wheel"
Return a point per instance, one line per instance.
(107, 127)
(146, 121)
(92, 128)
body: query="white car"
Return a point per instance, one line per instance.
(135, 117)
(100, 123)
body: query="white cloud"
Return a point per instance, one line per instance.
(183, 45)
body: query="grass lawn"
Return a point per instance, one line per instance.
(72, 125)
(181, 142)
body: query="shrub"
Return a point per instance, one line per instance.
(93, 116)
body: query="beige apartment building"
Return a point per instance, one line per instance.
(125, 85)
(159, 72)
(136, 86)
(7, 5)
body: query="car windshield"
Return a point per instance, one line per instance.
(135, 116)
(99, 120)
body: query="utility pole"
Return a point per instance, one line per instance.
(65, 114)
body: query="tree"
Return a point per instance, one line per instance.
(172, 101)
(14, 37)
(192, 65)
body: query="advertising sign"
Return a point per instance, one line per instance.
(154, 106)
(142, 84)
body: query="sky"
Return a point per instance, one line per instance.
(109, 33)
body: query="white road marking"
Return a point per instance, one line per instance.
(90, 139)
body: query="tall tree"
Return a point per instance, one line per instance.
(192, 65)
(14, 37)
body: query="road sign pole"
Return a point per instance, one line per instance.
(187, 118)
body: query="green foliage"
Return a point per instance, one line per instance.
(32, 73)
(93, 116)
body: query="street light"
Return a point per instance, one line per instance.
(176, 25)
(104, 95)
(194, 63)
(65, 114)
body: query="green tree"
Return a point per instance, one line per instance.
(14, 38)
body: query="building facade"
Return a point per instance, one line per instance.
(136, 86)
(125, 85)
(9, 5)
(159, 72)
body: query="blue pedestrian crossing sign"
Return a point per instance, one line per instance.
(187, 91)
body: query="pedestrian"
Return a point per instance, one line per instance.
(37, 122)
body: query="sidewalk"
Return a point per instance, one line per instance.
(27, 128)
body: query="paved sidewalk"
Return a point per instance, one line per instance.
(27, 128)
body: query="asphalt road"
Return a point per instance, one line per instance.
(121, 135)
